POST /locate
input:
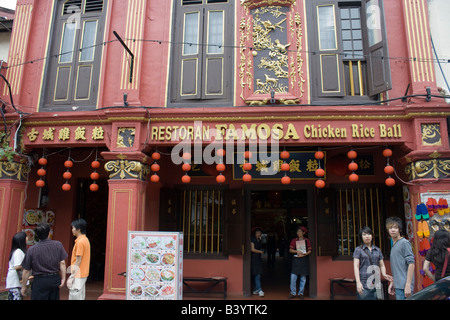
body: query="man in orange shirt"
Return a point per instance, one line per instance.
(81, 257)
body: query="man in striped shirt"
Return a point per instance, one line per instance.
(45, 261)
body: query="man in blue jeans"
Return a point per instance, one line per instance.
(402, 261)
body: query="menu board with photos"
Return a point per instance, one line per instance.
(154, 265)
(32, 217)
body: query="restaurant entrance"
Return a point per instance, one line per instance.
(278, 212)
(93, 207)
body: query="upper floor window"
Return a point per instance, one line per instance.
(350, 57)
(73, 71)
(201, 59)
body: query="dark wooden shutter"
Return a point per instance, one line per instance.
(378, 66)
(329, 59)
(72, 75)
(201, 75)
(234, 233)
(326, 223)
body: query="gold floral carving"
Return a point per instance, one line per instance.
(125, 169)
(280, 60)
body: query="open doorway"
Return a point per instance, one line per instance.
(278, 212)
(93, 207)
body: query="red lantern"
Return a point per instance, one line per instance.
(247, 177)
(390, 182)
(248, 154)
(67, 175)
(40, 183)
(156, 156)
(285, 180)
(352, 154)
(186, 179)
(221, 152)
(353, 177)
(186, 167)
(389, 169)
(285, 167)
(93, 187)
(66, 187)
(95, 164)
(320, 184)
(186, 156)
(387, 153)
(220, 167)
(320, 172)
(41, 172)
(68, 164)
(154, 178)
(247, 166)
(220, 178)
(42, 161)
(95, 175)
(284, 154)
(352, 166)
(155, 167)
(319, 155)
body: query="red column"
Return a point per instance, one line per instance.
(12, 197)
(126, 210)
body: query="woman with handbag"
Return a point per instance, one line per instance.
(438, 255)
(16, 256)
(368, 264)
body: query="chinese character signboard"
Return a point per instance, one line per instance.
(154, 265)
(302, 165)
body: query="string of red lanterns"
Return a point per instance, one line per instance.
(220, 167)
(352, 166)
(186, 167)
(285, 167)
(247, 166)
(155, 177)
(67, 175)
(95, 175)
(320, 183)
(41, 173)
(388, 169)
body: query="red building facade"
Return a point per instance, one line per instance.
(136, 84)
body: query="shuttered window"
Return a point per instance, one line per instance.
(201, 59)
(72, 73)
(350, 50)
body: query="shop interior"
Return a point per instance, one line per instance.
(278, 213)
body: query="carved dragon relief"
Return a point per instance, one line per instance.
(271, 65)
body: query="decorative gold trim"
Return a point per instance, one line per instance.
(435, 168)
(18, 171)
(124, 169)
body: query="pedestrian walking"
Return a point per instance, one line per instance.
(80, 261)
